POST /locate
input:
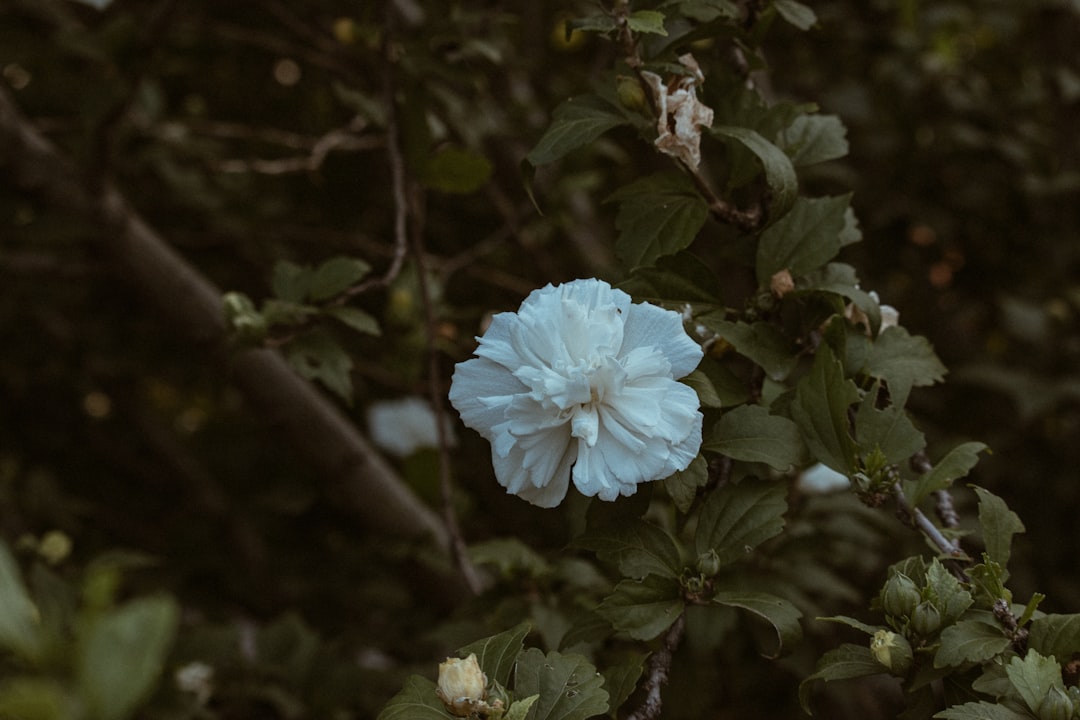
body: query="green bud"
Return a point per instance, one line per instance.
(925, 618)
(900, 596)
(630, 93)
(242, 317)
(891, 650)
(1056, 705)
(708, 564)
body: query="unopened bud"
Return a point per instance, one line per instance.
(462, 685)
(891, 650)
(925, 618)
(630, 93)
(1056, 705)
(781, 283)
(900, 596)
(708, 564)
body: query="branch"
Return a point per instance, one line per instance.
(917, 519)
(364, 481)
(659, 667)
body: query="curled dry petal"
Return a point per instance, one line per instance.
(680, 115)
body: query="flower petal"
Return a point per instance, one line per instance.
(652, 326)
(480, 391)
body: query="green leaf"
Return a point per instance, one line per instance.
(998, 524)
(1033, 676)
(796, 13)
(121, 655)
(721, 385)
(621, 680)
(575, 123)
(705, 11)
(736, 518)
(569, 687)
(981, 710)
(457, 171)
(647, 21)
(682, 487)
(1057, 635)
(355, 318)
(335, 275)
(644, 608)
(804, 239)
(889, 430)
(509, 555)
(820, 408)
(956, 464)
(951, 598)
(590, 23)
(497, 654)
(762, 342)
(816, 138)
(658, 215)
(317, 356)
(290, 282)
(782, 615)
(842, 663)
(903, 361)
(519, 709)
(35, 698)
(839, 278)
(970, 641)
(416, 701)
(19, 631)
(779, 173)
(750, 433)
(639, 548)
(852, 622)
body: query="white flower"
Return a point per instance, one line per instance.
(890, 316)
(679, 113)
(401, 427)
(462, 685)
(581, 381)
(820, 480)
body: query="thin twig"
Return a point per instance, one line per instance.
(917, 519)
(659, 668)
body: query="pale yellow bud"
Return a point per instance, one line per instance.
(881, 646)
(462, 686)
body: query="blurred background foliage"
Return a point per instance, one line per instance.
(256, 131)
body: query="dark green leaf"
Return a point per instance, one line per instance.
(317, 356)
(852, 622)
(519, 709)
(591, 23)
(782, 615)
(839, 278)
(804, 239)
(647, 21)
(779, 172)
(644, 608)
(575, 123)
(683, 486)
(998, 524)
(820, 408)
(705, 11)
(762, 342)
(621, 680)
(889, 430)
(723, 386)
(355, 318)
(1033, 676)
(36, 698)
(658, 215)
(981, 710)
(736, 518)
(121, 655)
(951, 598)
(816, 138)
(845, 662)
(416, 701)
(568, 686)
(1057, 635)
(956, 464)
(335, 275)
(290, 282)
(509, 555)
(639, 548)
(18, 616)
(970, 641)
(496, 654)
(750, 433)
(903, 361)
(457, 171)
(796, 13)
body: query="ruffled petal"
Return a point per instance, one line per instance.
(652, 326)
(480, 391)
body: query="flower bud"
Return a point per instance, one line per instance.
(891, 650)
(925, 618)
(630, 93)
(462, 685)
(708, 564)
(900, 596)
(1056, 705)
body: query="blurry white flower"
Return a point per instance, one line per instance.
(401, 427)
(820, 480)
(581, 377)
(679, 113)
(462, 685)
(196, 678)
